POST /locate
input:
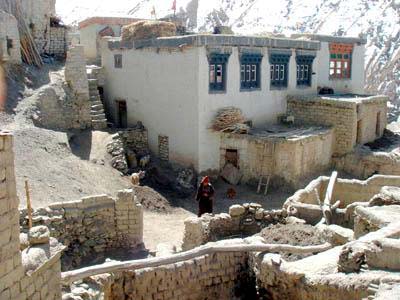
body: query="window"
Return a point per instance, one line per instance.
(304, 69)
(279, 69)
(217, 71)
(340, 60)
(250, 71)
(118, 61)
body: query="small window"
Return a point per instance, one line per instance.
(118, 61)
(250, 71)
(279, 69)
(217, 71)
(304, 69)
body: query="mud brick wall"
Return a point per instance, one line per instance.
(242, 220)
(9, 30)
(11, 269)
(57, 45)
(92, 225)
(215, 276)
(341, 115)
(76, 77)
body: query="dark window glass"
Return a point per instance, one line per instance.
(250, 71)
(304, 67)
(118, 61)
(217, 71)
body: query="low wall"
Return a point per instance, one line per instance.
(217, 276)
(58, 45)
(242, 220)
(346, 190)
(92, 225)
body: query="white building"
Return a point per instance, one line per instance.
(176, 85)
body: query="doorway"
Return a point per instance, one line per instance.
(232, 156)
(122, 114)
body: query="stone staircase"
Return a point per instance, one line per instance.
(99, 120)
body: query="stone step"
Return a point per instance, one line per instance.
(95, 103)
(98, 117)
(99, 124)
(97, 110)
(94, 98)
(92, 82)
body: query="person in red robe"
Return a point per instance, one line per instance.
(205, 196)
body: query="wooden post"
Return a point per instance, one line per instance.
(28, 204)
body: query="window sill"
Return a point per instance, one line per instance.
(277, 88)
(303, 86)
(249, 89)
(339, 79)
(211, 92)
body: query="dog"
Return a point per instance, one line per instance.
(135, 177)
(144, 161)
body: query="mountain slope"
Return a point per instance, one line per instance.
(377, 20)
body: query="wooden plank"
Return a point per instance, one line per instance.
(28, 204)
(71, 276)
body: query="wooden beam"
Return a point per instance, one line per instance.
(210, 248)
(327, 204)
(28, 204)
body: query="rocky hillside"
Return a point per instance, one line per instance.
(377, 20)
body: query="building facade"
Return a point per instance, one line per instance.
(176, 85)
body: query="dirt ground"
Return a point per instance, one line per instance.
(293, 234)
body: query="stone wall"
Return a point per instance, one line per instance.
(93, 225)
(163, 147)
(76, 77)
(342, 115)
(36, 273)
(242, 220)
(9, 38)
(58, 44)
(216, 276)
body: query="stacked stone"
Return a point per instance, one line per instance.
(76, 77)
(135, 139)
(91, 226)
(117, 150)
(128, 219)
(217, 276)
(57, 45)
(246, 219)
(163, 147)
(11, 269)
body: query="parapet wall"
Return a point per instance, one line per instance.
(93, 225)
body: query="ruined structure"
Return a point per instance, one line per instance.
(9, 38)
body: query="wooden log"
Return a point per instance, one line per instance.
(327, 204)
(28, 204)
(109, 267)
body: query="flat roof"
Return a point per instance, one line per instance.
(345, 100)
(107, 21)
(199, 40)
(330, 38)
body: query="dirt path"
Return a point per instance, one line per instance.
(166, 228)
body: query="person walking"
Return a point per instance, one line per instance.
(205, 196)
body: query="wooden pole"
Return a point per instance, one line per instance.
(28, 204)
(71, 276)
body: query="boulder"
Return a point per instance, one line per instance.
(259, 214)
(34, 257)
(39, 235)
(236, 210)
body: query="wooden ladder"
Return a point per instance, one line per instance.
(265, 176)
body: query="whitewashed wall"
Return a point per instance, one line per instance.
(355, 84)
(161, 90)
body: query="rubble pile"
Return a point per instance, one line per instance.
(117, 150)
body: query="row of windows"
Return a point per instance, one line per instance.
(250, 71)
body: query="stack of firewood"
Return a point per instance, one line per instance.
(29, 51)
(227, 118)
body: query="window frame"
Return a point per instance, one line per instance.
(279, 70)
(250, 71)
(340, 60)
(216, 62)
(304, 70)
(118, 61)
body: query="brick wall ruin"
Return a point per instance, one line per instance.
(36, 273)
(92, 226)
(58, 43)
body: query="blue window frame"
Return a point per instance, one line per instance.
(250, 71)
(217, 71)
(279, 69)
(304, 69)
